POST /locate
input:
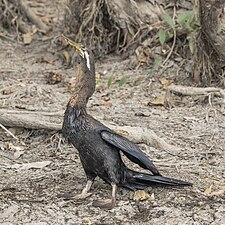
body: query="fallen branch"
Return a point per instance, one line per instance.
(193, 91)
(146, 136)
(53, 121)
(31, 119)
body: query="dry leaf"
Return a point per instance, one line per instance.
(27, 38)
(21, 84)
(71, 85)
(208, 190)
(122, 132)
(67, 57)
(214, 181)
(157, 101)
(103, 104)
(22, 143)
(152, 197)
(216, 193)
(97, 76)
(45, 59)
(87, 221)
(141, 195)
(164, 82)
(7, 91)
(143, 54)
(19, 150)
(34, 30)
(54, 77)
(11, 146)
(46, 20)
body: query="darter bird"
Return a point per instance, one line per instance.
(99, 147)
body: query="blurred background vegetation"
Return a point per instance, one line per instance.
(149, 32)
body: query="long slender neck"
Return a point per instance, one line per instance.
(78, 102)
(85, 85)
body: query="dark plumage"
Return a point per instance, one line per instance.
(100, 147)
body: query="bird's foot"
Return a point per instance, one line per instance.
(104, 203)
(75, 197)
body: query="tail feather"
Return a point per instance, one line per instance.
(136, 180)
(134, 185)
(146, 178)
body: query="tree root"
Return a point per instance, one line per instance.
(53, 121)
(210, 55)
(32, 16)
(112, 26)
(16, 15)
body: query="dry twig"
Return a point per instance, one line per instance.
(8, 131)
(193, 91)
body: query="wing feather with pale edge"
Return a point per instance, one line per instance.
(130, 150)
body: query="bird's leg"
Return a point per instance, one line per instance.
(107, 203)
(85, 192)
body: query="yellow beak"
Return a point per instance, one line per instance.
(73, 44)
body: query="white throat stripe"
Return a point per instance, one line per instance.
(88, 59)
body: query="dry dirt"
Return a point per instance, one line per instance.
(33, 175)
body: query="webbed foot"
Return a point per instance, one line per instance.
(104, 203)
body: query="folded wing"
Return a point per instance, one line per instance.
(130, 150)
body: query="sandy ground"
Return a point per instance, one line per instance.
(33, 175)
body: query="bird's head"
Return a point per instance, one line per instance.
(85, 69)
(85, 56)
